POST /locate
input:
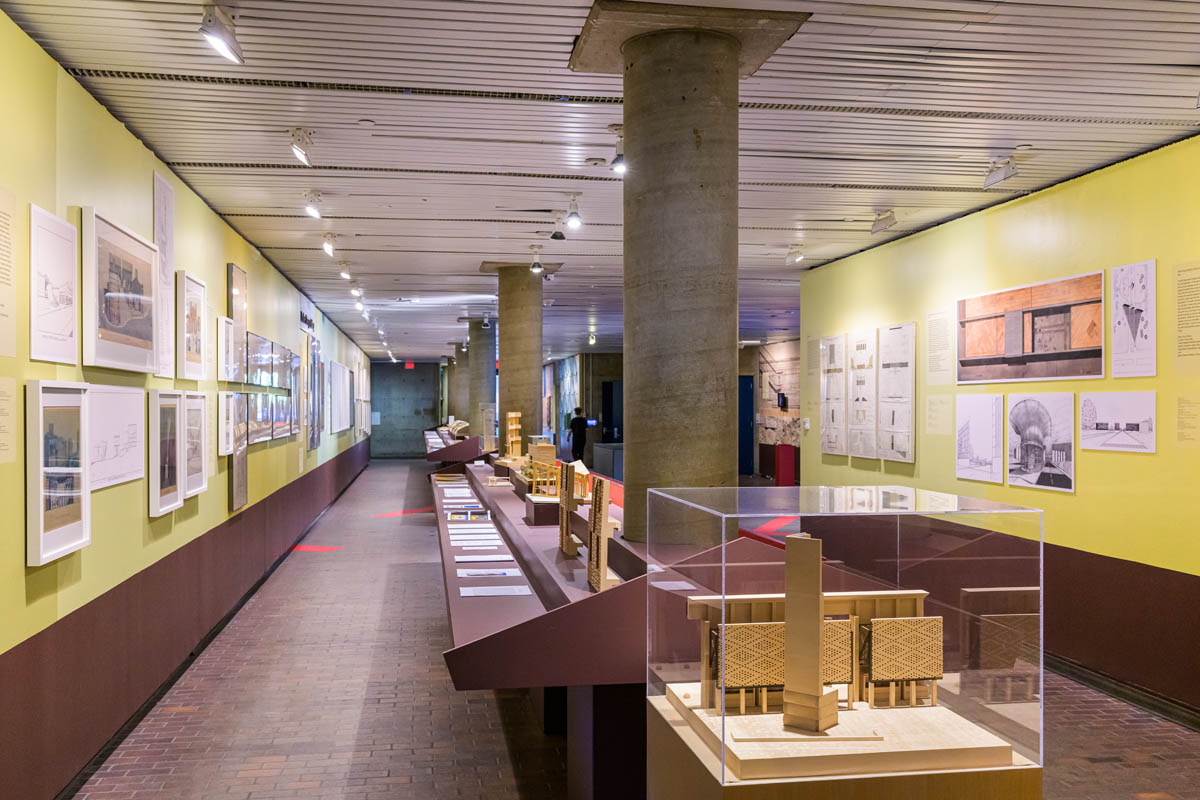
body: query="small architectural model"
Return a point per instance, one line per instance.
(543, 452)
(600, 530)
(568, 542)
(543, 480)
(807, 704)
(583, 483)
(512, 438)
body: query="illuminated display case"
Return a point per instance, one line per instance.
(877, 638)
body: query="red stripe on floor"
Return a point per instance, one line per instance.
(404, 513)
(314, 548)
(775, 524)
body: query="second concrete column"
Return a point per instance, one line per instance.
(520, 308)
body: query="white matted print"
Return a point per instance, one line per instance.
(191, 294)
(117, 439)
(979, 455)
(195, 453)
(164, 240)
(864, 395)
(833, 395)
(119, 284)
(897, 388)
(166, 451)
(227, 352)
(227, 407)
(1134, 320)
(1041, 441)
(1123, 422)
(59, 498)
(53, 288)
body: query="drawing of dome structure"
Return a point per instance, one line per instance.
(1034, 428)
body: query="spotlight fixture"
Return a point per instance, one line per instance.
(358, 306)
(536, 267)
(618, 162)
(485, 324)
(795, 254)
(574, 221)
(301, 142)
(345, 275)
(217, 29)
(558, 234)
(884, 220)
(1000, 171)
(591, 338)
(311, 202)
(548, 277)
(355, 291)
(327, 244)
(367, 316)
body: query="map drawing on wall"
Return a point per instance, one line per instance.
(979, 454)
(119, 290)
(1134, 320)
(58, 498)
(53, 288)
(1041, 441)
(897, 389)
(833, 395)
(238, 301)
(117, 438)
(1123, 422)
(864, 396)
(164, 240)
(191, 293)
(1046, 331)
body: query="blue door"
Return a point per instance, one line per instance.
(746, 424)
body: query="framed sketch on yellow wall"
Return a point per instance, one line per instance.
(119, 285)
(166, 451)
(192, 330)
(238, 302)
(58, 505)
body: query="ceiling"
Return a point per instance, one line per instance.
(445, 132)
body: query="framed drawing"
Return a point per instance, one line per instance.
(190, 294)
(226, 422)
(258, 417)
(238, 301)
(58, 514)
(295, 389)
(281, 366)
(1134, 307)
(166, 451)
(979, 452)
(1122, 422)
(195, 450)
(259, 370)
(1041, 441)
(897, 390)
(226, 351)
(1052, 330)
(315, 393)
(281, 424)
(164, 240)
(239, 461)
(53, 288)
(116, 440)
(119, 284)
(833, 395)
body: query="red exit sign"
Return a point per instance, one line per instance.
(408, 365)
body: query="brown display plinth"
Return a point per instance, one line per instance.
(541, 510)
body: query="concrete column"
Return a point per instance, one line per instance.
(482, 369)
(458, 385)
(681, 238)
(520, 309)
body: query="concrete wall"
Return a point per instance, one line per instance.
(406, 401)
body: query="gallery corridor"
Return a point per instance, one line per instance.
(329, 683)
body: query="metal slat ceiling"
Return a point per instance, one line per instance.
(479, 131)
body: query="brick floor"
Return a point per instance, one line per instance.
(330, 684)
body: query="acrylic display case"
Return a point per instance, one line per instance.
(845, 639)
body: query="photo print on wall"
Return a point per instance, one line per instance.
(1041, 441)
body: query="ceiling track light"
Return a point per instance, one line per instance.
(884, 220)
(327, 244)
(355, 291)
(591, 338)
(618, 163)
(312, 203)
(536, 266)
(358, 306)
(218, 30)
(1000, 171)
(301, 142)
(795, 254)
(574, 221)
(558, 234)
(485, 324)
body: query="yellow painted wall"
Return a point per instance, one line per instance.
(62, 150)
(1139, 507)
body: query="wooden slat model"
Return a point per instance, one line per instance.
(545, 479)
(905, 650)
(600, 530)
(568, 542)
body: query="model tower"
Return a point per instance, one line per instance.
(807, 703)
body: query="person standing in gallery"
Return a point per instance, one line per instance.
(577, 435)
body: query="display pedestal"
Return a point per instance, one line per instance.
(541, 510)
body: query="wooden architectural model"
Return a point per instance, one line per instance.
(905, 650)
(512, 434)
(600, 530)
(543, 452)
(807, 704)
(543, 481)
(568, 542)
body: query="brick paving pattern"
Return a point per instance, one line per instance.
(330, 683)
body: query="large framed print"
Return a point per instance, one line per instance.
(237, 304)
(1041, 441)
(1134, 299)
(281, 424)
(258, 417)
(164, 240)
(190, 337)
(1052, 330)
(259, 369)
(227, 352)
(295, 393)
(281, 366)
(119, 285)
(166, 451)
(117, 434)
(53, 288)
(59, 498)
(227, 406)
(239, 461)
(195, 443)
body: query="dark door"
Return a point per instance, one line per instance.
(746, 424)
(612, 411)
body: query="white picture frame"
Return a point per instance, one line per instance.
(258, 417)
(195, 443)
(165, 451)
(56, 469)
(227, 423)
(227, 353)
(116, 435)
(1045, 458)
(164, 240)
(191, 333)
(122, 334)
(53, 288)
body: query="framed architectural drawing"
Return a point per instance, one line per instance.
(1041, 441)
(281, 424)
(1122, 422)
(1134, 298)
(227, 364)
(227, 406)
(1052, 330)
(164, 240)
(295, 393)
(195, 451)
(258, 417)
(58, 515)
(53, 288)
(834, 429)
(239, 461)
(258, 360)
(979, 454)
(190, 336)
(897, 391)
(281, 366)
(864, 395)
(237, 303)
(117, 434)
(119, 285)
(166, 451)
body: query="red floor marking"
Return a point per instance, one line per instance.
(404, 513)
(775, 524)
(314, 548)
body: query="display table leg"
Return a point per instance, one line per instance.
(606, 740)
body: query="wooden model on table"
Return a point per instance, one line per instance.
(600, 530)
(568, 542)
(512, 438)
(544, 479)
(543, 452)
